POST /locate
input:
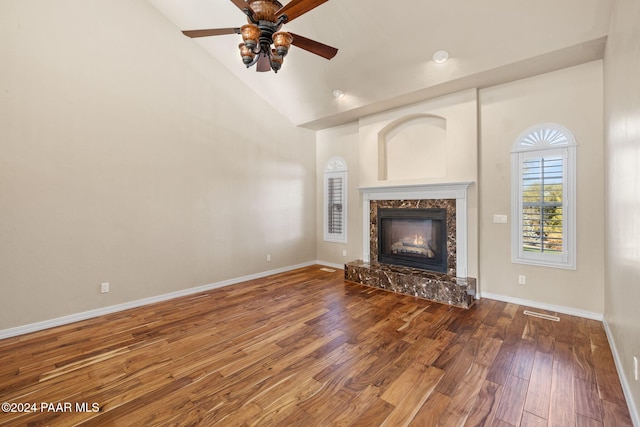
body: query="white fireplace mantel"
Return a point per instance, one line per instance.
(452, 190)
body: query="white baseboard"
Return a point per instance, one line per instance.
(331, 264)
(59, 321)
(550, 307)
(626, 387)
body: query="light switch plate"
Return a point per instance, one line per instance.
(500, 219)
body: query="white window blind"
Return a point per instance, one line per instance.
(335, 201)
(542, 202)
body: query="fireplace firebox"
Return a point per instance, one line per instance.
(413, 238)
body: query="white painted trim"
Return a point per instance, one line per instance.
(64, 320)
(366, 228)
(330, 264)
(550, 307)
(461, 236)
(626, 387)
(450, 190)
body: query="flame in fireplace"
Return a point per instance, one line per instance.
(419, 240)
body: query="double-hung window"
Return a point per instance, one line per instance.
(544, 197)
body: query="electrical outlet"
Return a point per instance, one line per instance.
(522, 280)
(268, 257)
(344, 253)
(635, 368)
(104, 288)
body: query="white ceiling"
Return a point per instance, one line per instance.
(385, 49)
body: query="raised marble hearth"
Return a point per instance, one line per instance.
(442, 288)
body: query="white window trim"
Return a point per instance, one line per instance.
(335, 167)
(547, 139)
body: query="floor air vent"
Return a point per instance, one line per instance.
(328, 270)
(542, 315)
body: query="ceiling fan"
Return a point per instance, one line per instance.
(265, 17)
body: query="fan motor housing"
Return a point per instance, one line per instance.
(265, 10)
(267, 29)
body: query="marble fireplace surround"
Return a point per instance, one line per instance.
(453, 288)
(432, 192)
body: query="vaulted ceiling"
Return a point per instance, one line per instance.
(385, 49)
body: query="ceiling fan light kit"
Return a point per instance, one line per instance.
(282, 42)
(265, 18)
(250, 35)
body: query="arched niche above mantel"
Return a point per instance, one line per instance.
(413, 147)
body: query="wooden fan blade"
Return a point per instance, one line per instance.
(213, 32)
(263, 63)
(295, 8)
(313, 46)
(242, 4)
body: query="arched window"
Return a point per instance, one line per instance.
(544, 197)
(335, 200)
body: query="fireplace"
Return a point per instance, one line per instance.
(415, 242)
(407, 222)
(413, 238)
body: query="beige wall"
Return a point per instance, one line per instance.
(622, 121)
(571, 98)
(129, 156)
(460, 112)
(341, 141)
(461, 157)
(358, 142)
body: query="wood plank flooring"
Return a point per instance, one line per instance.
(306, 348)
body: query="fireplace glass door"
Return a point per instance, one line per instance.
(413, 238)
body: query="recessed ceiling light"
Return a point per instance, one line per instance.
(338, 94)
(440, 57)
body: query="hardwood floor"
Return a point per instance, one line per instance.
(305, 348)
